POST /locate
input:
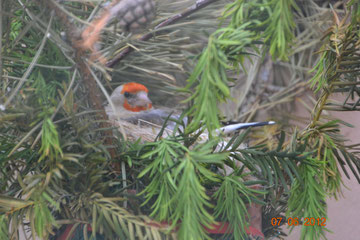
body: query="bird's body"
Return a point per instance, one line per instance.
(133, 111)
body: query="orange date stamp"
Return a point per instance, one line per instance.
(308, 221)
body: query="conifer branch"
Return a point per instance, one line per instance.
(194, 8)
(84, 70)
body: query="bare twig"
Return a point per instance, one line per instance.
(31, 66)
(84, 70)
(194, 8)
(58, 107)
(1, 16)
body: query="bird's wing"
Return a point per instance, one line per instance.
(237, 126)
(157, 117)
(154, 117)
(150, 122)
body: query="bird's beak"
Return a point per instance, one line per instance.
(143, 100)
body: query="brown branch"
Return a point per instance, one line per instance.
(90, 83)
(194, 8)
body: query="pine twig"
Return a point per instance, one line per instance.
(83, 68)
(1, 33)
(194, 8)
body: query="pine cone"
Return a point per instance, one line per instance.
(135, 14)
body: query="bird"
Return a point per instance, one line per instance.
(129, 99)
(133, 111)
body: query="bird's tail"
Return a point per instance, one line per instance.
(237, 126)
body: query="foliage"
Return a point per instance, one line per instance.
(58, 170)
(312, 199)
(227, 48)
(232, 197)
(4, 224)
(333, 72)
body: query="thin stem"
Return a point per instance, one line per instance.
(32, 64)
(194, 8)
(1, 33)
(84, 70)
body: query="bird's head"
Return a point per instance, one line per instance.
(132, 97)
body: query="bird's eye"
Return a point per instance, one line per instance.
(127, 94)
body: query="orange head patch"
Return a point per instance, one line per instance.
(133, 87)
(128, 107)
